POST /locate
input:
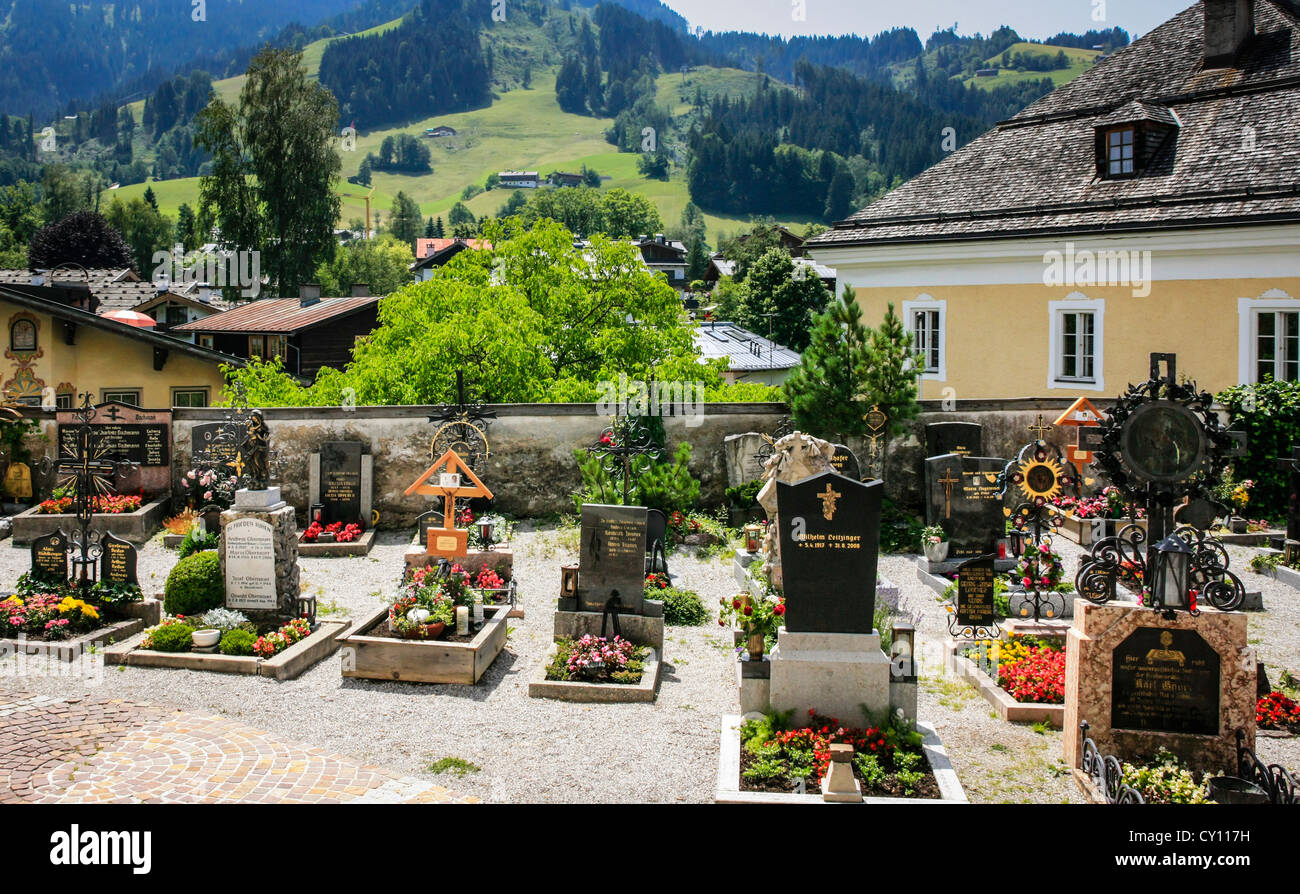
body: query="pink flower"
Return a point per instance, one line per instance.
(207, 495)
(1027, 582)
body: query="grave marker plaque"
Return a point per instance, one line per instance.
(117, 563)
(845, 462)
(206, 450)
(612, 557)
(965, 499)
(975, 591)
(829, 542)
(50, 556)
(962, 438)
(1165, 680)
(250, 565)
(340, 470)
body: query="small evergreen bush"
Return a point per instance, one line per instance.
(194, 585)
(237, 642)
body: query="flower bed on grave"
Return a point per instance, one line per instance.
(887, 762)
(105, 504)
(1080, 513)
(416, 638)
(335, 540)
(63, 619)
(113, 515)
(1278, 712)
(1021, 677)
(596, 659)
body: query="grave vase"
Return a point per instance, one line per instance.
(755, 644)
(936, 552)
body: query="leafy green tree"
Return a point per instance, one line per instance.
(273, 167)
(892, 377)
(781, 301)
(383, 264)
(405, 222)
(460, 215)
(63, 192)
(747, 248)
(1269, 413)
(828, 390)
(627, 214)
(143, 228)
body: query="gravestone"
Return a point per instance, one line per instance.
(962, 438)
(965, 500)
(17, 481)
(976, 587)
(829, 543)
(744, 455)
(1144, 681)
(207, 450)
(1291, 467)
(248, 562)
(127, 434)
(117, 562)
(845, 462)
(50, 556)
(339, 480)
(828, 657)
(611, 560)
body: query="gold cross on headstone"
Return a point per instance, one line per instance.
(237, 464)
(948, 481)
(828, 501)
(1040, 428)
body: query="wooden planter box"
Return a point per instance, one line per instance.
(423, 661)
(728, 789)
(1080, 530)
(137, 527)
(1007, 708)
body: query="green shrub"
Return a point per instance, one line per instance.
(743, 496)
(900, 531)
(237, 642)
(172, 638)
(682, 608)
(670, 486)
(1269, 414)
(194, 585)
(195, 542)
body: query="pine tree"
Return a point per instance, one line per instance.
(439, 231)
(827, 391)
(892, 375)
(151, 198)
(428, 229)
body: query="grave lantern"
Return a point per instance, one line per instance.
(753, 535)
(317, 514)
(902, 651)
(569, 581)
(1171, 583)
(486, 531)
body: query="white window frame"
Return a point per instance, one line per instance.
(1076, 302)
(1248, 311)
(927, 303)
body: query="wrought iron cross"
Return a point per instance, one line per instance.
(462, 423)
(619, 447)
(1040, 429)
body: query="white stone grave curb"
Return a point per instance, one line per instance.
(574, 691)
(1007, 708)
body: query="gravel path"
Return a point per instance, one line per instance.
(534, 750)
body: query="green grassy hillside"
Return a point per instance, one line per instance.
(1080, 61)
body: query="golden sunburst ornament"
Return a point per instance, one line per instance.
(1039, 478)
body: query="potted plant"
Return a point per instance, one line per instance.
(757, 619)
(206, 638)
(935, 543)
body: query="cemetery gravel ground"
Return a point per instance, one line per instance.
(532, 750)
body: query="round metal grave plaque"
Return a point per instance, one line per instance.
(1163, 442)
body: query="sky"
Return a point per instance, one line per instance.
(1030, 18)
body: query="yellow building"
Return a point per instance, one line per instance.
(1152, 204)
(56, 348)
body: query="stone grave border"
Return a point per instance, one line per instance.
(290, 663)
(138, 527)
(128, 619)
(1003, 703)
(728, 788)
(357, 548)
(423, 661)
(1282, 574)
(578, 691)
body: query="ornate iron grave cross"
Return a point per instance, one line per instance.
(462, 427)
(86, 468)
(624, 449)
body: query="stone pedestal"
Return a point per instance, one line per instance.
(952, 566)
(1143, 683)
(644, 630)
(834, 674)
(755, 681)
(902, 697)
(258, 588)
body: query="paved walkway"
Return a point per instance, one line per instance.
(101, 750)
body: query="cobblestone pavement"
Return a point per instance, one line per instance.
(102, 750)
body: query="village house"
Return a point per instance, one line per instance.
(58, 344)
(431, 254)
(749, 357)
(306, 333)
(1151, 204)
(519, 179)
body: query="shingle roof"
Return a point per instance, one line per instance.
(743, 350)
(277, 315)
(115, 289)
(1036, 173)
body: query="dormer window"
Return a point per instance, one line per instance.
(1119, 152)
(1139, 139)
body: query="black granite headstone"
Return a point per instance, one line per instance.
(975, 590)
(964, 499)
(611, 559)
(205, 450)
(829, 542)
(117, 564)
(1167, 681)
(340, 480)
(845, 462)
(50, 556)
(964, 438)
